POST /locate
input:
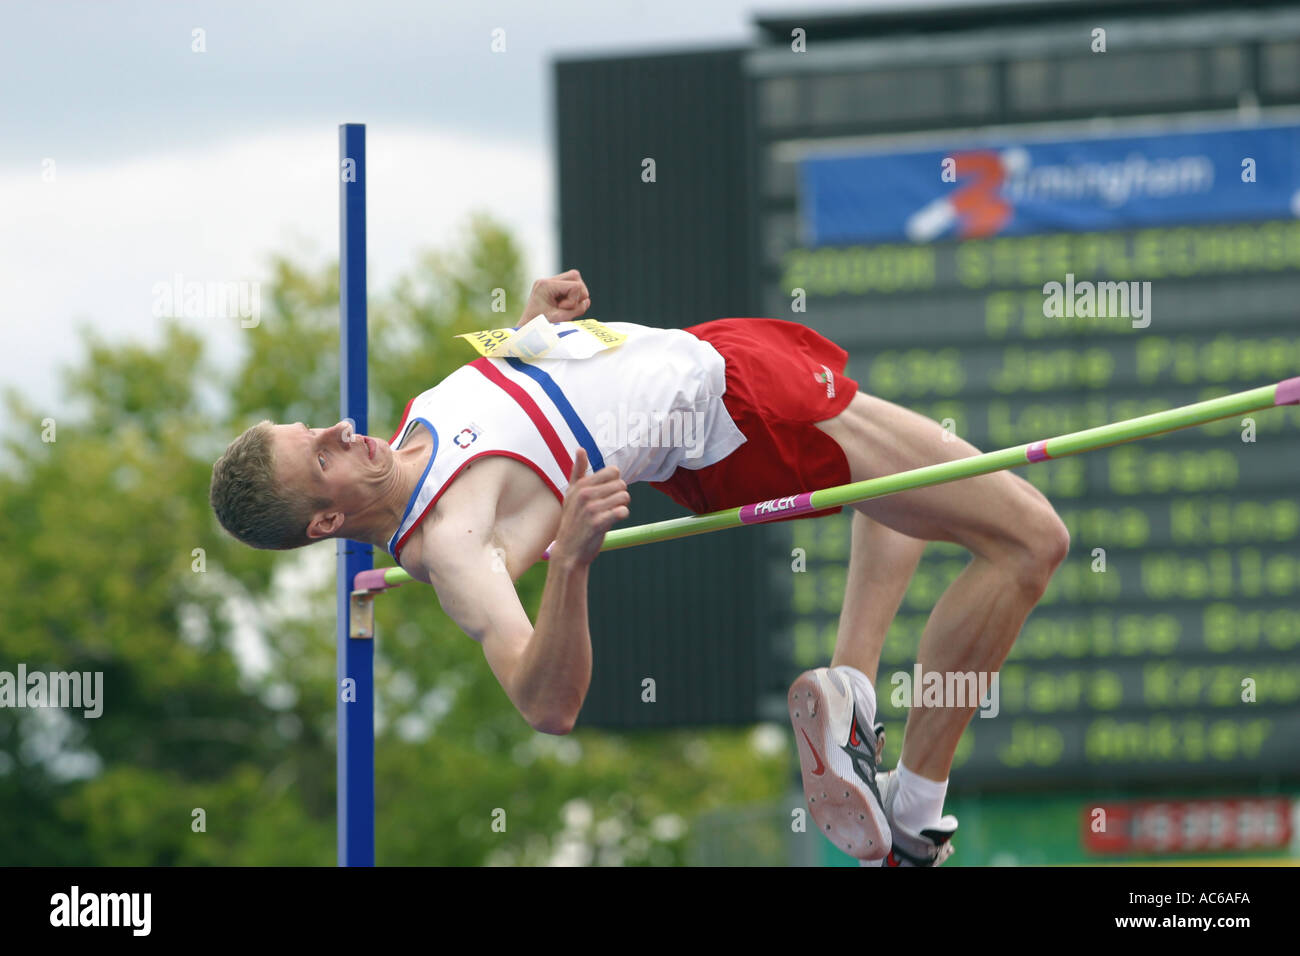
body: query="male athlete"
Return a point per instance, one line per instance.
(505, 457)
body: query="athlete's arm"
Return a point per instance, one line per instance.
(544, 670)
(556, 664)
(476, 592)
(560, 298)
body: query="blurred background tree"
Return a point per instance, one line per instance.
(218, 660)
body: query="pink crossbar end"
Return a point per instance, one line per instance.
(372, 580)
(1288, 392)
(546, 555)
(1037, 451)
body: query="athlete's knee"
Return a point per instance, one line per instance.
(1044, 543)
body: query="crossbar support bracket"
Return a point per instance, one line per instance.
(361, 614)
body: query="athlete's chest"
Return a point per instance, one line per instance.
(504, 496)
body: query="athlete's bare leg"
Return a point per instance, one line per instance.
(1015, 537)
(881, 564)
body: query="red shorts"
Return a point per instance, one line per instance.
(777, 386)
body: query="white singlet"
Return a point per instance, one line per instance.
(648, 406)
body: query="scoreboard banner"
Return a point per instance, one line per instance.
(1164, 650)
(1027, 187)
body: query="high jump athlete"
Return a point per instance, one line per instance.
(505, 457)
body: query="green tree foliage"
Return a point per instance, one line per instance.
(216, 742)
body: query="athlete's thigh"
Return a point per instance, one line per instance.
(987, 514)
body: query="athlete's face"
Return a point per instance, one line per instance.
(332, 463)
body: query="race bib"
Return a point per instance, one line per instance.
(579, 339)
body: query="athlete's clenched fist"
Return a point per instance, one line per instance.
(591, 507)
(560, 298)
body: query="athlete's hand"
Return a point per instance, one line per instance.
(560, 298)
(591, 507)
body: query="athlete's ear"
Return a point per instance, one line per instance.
(325, 524)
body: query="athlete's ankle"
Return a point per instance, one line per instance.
(919, 801)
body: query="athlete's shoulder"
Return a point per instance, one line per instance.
(452, 534)
(432, 549)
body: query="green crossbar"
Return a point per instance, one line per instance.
(1090, 439)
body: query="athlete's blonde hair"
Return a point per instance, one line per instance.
(251, 504)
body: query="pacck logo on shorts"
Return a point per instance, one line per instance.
(828, 377)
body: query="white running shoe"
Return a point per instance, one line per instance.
(930, 847)
(839, 761)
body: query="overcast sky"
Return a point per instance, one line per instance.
(127, 158)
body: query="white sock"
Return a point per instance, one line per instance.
(863, 691)
(919, 802)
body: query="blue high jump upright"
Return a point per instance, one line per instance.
(356, 655)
